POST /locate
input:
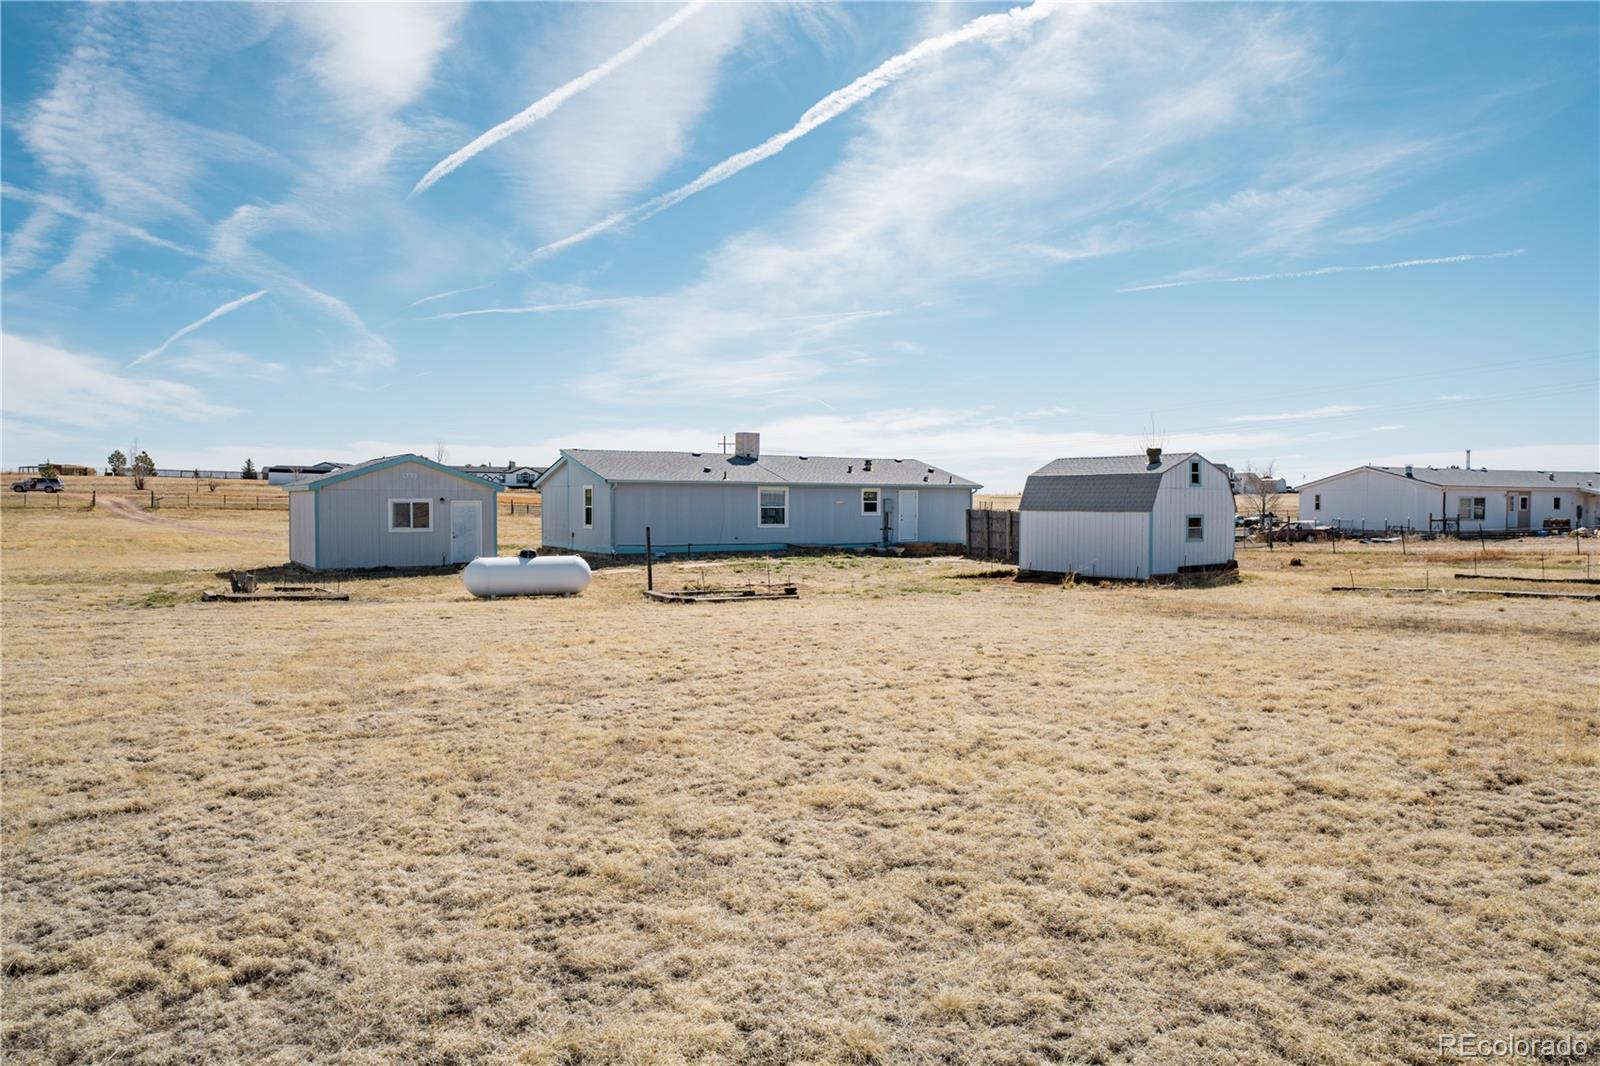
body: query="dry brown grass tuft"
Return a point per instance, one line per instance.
(907, 818)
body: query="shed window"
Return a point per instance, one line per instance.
(773, 507)
(1316, 502)
(1194, 478)
(1196, 528)
(588, 507)
(410, 516)
(869, 501)
(1472, 508)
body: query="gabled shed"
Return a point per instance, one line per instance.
(1126, 516)
(399, 510)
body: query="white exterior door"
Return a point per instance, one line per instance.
(466, 530)
(906, 529)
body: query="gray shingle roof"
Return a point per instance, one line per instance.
(1098, 483)
(709, 467)
(1462, 477)
(1110, 464)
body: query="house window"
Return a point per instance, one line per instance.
(588, 507)
(410, 516)
(1316, 502)
(1194, 472)
(869, 501)
(1472, 507)
(1196, 528)
(1557, 505)
(773, 508)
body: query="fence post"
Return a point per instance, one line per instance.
(649, 563)
(92, 495)
(152, 499)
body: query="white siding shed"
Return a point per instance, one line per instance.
(1127, 516)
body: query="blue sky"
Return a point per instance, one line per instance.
(982, 236)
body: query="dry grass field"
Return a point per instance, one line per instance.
(920, 815)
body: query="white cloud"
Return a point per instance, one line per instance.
(1332, 410)
(202, 358)
(375, 58)
(1454, 397)
(47, 384)
(101, 139)
(28, 243)
(943, 182)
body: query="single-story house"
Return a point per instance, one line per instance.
(1126, 516)
(1468, 498)
(400, 510)
(285, 473)
(522, 477)
(601, 501)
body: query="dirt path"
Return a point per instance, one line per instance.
(123, 509)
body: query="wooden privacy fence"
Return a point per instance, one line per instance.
(993, 535)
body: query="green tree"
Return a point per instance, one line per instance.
(248, 472)
(117, 462)
(49, 469)
(143, 467)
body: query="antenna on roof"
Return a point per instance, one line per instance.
(1153, 439)
(725, 442)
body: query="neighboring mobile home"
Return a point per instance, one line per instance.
(601, 501)
(400, 510)
(1127, 516)
(1410, 497)
(288, 473)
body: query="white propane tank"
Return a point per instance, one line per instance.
(526, 575)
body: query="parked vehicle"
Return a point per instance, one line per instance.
(37, 484)
(1295, 532)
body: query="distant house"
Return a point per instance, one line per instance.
(1126, 516)
(400, 510)
(523, 477)
(284, 474)
(511, 475)
(1412, 497)
(1246, 483)
(601, 501)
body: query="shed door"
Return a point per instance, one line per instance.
(466, 530)
(907, 528)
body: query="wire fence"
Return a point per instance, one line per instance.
(148, 500)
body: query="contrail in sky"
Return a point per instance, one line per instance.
(536, 309)
(547, 104)
(231, 305)
(1320, 271)
(836, 103)
(442, 295)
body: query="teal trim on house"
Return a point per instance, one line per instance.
(362, 469)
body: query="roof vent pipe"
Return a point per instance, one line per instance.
(1410, 472)
(1154, 455)
(1469, 458)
